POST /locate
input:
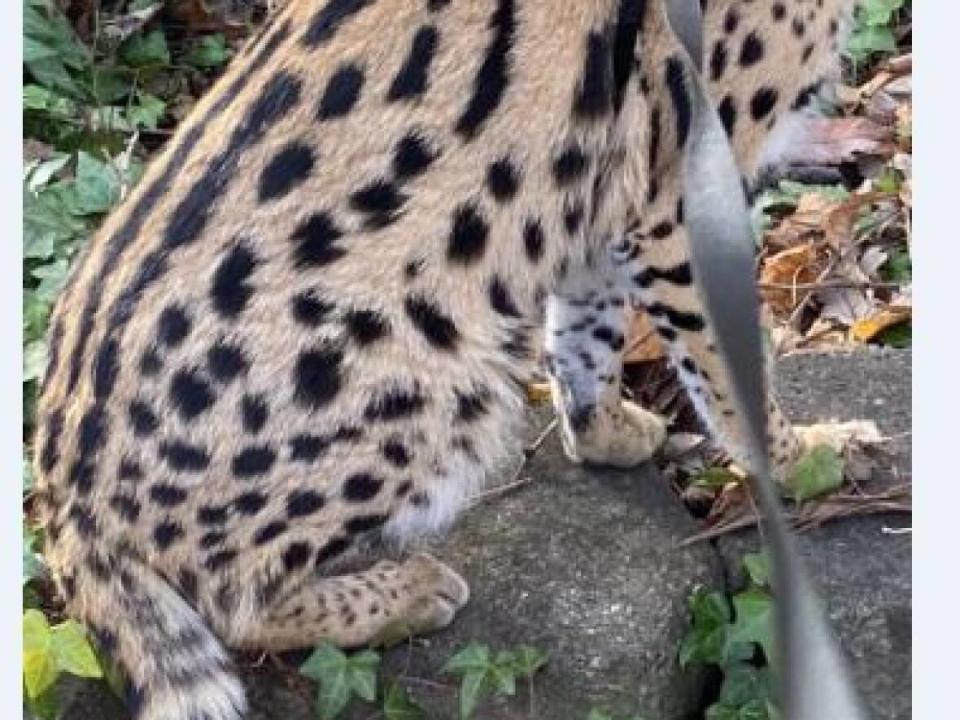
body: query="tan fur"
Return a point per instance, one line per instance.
(244, 590)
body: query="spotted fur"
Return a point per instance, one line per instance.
(308, 327)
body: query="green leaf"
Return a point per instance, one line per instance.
(597, 714)
(334, 694)
(45, 170)
(818, 471)
(473, 686)
(867, 40)
(363, 674)
(40, 668)
(97, 185)
(707, 638)
(147, 111)
(754, 621)
(528, 659)
(898, 267)
(898, 336)
(397, 705)
(34, 360)
(503, 673)
(27, 475)
(757, 566)
(210, 51)
(475, 656)
(73, 651)
(145, 50)
(714, 477)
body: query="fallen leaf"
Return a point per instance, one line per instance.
(643, 343)
(796, 265)
(868, 328)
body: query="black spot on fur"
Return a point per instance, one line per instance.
(676, 84)
(677, 318)
(287, 169)
(230, 290)
(411, 156)
(219, 559)
(805, 95)
(730, 21)
(250, 503)
(656, 130)
(253, 461)
(438, 329)
(150, 362)
(533, 240)
(307, 448)
(333, 548)
(106, 366)
(412, 78)
(676, 275)
(308, 309)
(226, 361)
(379, 201)
(718, 60)
(778, 11)
(255, 412)
(166, 534)
(366, 326)
(126, 507)
(83, 521)
(50, 449)
(315, 239)
(341, 93)
(190, 394)
(468, 235)
(595, 93)
(316, 376)
(394, 404)
(503, 180)
(798, 27)
(500, 298)
(166, 495)
(269, 532)
(173, 326)
(212, 515)
(751, 52)
(296, 556)
(184, 457)
(573, 217)
(630, 16)
(142, 418)
(301, 503)
(727, 111)
(129, 469)
(662, 230)
(609, 336)
(570, 165)
(361, 487)
(471, 406)
(763, 102)
(325, 23)
(210, 539)
(364, 523)
(492, 78)
(395, 452)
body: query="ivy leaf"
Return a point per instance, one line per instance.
(363, 674)
(527, 660)
(754, 621)
(474, 656)
(97, 185)
(472, 687)
(208, 52)
(147, 112)
(146, 50)
(597, 714)
(73, 651)
(40, 669)
(328, 665)
(397, 705)
(32, 563)
(817, 472)
(503, 674)
(707, 639)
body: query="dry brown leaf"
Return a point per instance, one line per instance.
(538, 393)
(868, 328)
(796, 265)
(643, 343)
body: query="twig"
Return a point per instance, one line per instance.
(831, 284)
(517, 481)
(423, 681)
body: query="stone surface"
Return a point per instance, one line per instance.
(862, 571)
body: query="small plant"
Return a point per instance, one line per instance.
(598, 714)
(873, 29)
(341, 677)
(49, 651)
(738, 641)
(481, 672)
